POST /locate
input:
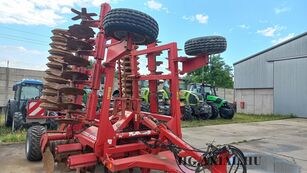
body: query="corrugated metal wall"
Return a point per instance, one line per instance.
(257, 72)
(290, 87)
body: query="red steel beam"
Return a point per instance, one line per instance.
(82, 160)
(68, 148)
(155, 77)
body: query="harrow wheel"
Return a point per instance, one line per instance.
(33, 150)
(205, 45)
(121, 22)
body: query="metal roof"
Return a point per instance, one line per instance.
(271, 48)
(29, 81)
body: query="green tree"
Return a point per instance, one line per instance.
(217, 72)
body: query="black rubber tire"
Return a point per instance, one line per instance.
(227, 112)
(145, 107)
(167, 110)
(120, 22)
(240, 156)
(9, 112)
(32, 146)
(215, 111)
(51, 123)
(205, 45)
(202, 113)
(7, 117)
(18, 121)
(188, 113)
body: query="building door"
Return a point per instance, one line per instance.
(290, 87)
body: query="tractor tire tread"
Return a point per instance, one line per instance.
(34, 134)
(131, 21)
(205, 45)
(18, 121)
(215, 111)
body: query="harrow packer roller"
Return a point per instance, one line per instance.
(121, 137)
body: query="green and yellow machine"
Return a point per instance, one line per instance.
(193, 105)
(226, 110)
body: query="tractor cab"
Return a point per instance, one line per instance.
(206, 90)
(27, 89)
(26, 93)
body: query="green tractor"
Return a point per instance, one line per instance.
(226, 110)
(193, 105)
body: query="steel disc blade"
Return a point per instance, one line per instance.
(49, 85)
(57, 59)
(71, 91)
(85, 52)
(54, 86)
(58, 38)
(74, 75)
(48, 161)
(81, 31)
(55, 65)
(59, 52)
(72, 106)
(75, 44)
(60, 31)
(76, 60)
(50, 106)
(55, 79)
(49, 99)
(58, 45)
(53, 71)
(49, 92)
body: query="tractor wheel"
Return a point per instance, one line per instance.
(18, 121)
(51, 123)
(203, 114)
(9, 111)
(145, 107)
(7, 117)
(227, 112)
(205, 45)
(33, 149)
(188, 113)
(215, 111)
(121, 22)
(167, 110)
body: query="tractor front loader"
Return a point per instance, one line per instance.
(122, 137)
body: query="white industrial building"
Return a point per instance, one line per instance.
(274, 80)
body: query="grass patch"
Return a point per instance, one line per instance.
(7, 136)
(238, 118)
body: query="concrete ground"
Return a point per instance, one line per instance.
(274, 141)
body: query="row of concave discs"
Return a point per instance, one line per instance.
(68, 57)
